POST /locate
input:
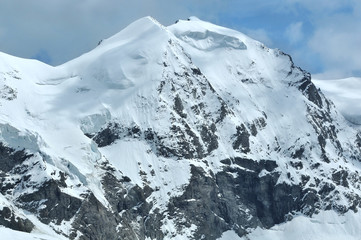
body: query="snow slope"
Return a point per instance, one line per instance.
(7, 233)
(162, 127)
(325, 225)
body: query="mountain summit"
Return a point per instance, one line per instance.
(191, 131)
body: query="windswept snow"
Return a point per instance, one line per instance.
(8, 234)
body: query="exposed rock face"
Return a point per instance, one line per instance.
(209, 132)
(242, 139)
(10, 220)
(310, 90)
(9, 158)
(54, 205)
(239, 199)
(94, 221)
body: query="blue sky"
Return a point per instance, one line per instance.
(322, 36)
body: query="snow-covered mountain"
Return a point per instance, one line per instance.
(191, 131)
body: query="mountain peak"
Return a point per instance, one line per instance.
(141, 28)
(181, 132)
(193, 18)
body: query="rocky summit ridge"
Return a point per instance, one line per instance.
(179, 132)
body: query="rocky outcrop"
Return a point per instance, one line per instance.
(241, 139)
(50, 203)
(9, 219)
(235, 199)
(9, 157)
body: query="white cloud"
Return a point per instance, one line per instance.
(259, 35)
(339, 49)
(337, 39)
(294, 32)
(320, 7)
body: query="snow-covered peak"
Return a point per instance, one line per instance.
(141, 28)
(160, 126)
(212, 45)
(123, 60)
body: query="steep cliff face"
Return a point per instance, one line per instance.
(180, 132)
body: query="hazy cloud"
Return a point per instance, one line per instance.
(65, 29)
(323, 7)
(259, 35)
(43, 56)
(340, 50)
(294, 32)
(337, 40)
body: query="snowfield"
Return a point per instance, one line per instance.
(325, 225)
